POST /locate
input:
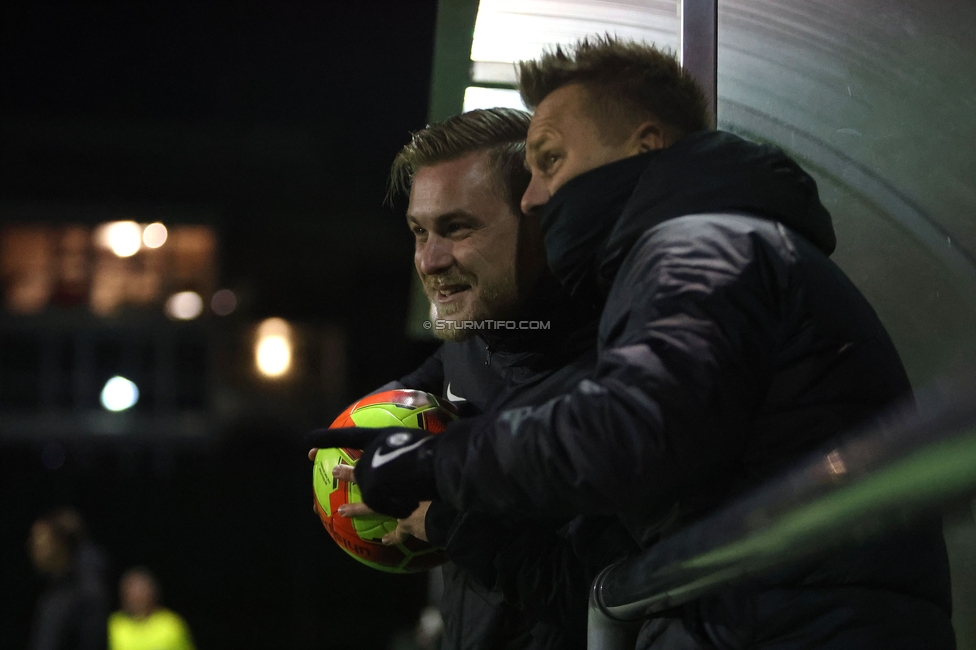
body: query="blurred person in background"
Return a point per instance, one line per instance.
(142, 623)
(73, 608)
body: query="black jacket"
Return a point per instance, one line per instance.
(518, 583)
(729, 347)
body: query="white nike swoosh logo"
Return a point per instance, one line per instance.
(382, 459)
(452, 397)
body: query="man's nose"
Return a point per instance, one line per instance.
(536, 195)
(434, 255)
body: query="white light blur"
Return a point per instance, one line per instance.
(121, 237)
(273, 348)
(154, 235)
(185, 305)
(835, 463)
(515, 30)
(223, 302)
(494, 72)
(478, 97)
(273, 356)
(119, 394)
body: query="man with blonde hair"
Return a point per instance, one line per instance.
(511, 583)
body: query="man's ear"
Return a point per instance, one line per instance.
(649, 136)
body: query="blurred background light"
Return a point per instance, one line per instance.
(516, 30)
(223, 302)
(508, 31)
(478, 97)
(273, 348)
(154, 235)
(119, 394)
(185, 305)
(121, 237)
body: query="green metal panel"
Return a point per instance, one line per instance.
(452, 57)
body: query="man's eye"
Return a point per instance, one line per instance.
(547, 161)
(453, 228)
(418, 231)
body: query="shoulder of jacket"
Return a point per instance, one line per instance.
(695, 236)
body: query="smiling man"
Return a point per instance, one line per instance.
(510, 584)
(475, 256)
(729, 347)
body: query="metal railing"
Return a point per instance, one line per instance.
(915, 464)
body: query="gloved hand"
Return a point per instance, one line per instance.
(396, 471)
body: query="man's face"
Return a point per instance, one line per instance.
(137, 595)
(46, 551)
(473, 254)
(564, 141)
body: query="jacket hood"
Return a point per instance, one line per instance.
(592, 222)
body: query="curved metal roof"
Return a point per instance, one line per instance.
(878, 99)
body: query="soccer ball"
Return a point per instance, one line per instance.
(361, 537)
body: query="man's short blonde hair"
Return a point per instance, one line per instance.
(498, 131)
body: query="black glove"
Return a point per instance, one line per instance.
(396, 471)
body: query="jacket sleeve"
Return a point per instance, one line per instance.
(689, 333)
(542, 569)
(429, 377)
(440, 522)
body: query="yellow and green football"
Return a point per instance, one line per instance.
(361, 537)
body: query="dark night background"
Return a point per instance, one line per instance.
(277, 122)
(275, 125)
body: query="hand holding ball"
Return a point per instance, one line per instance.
(361, 536)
